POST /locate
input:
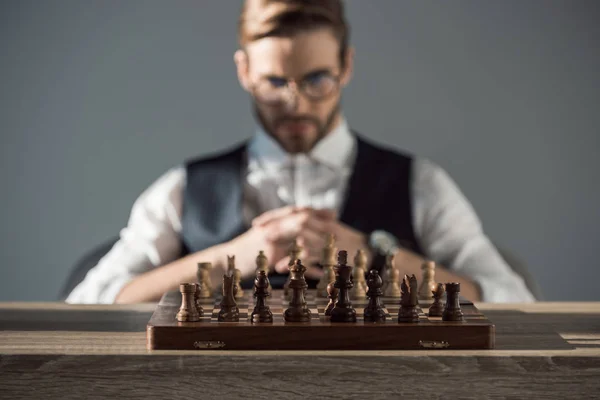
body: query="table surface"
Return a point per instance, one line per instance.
(542, 349)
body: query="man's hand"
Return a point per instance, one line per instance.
(263, 235)
(310, 227)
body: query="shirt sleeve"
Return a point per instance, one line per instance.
(150, 239)
(450, 232)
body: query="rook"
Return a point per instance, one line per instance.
(187, 310)
(452, 311)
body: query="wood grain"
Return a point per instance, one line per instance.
(269, 377)
(543, 350)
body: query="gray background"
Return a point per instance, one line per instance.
(98, 98)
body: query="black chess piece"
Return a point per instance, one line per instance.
(437, 308)
(452, 311)
(229, 311)
(332, 294)
(374, 311)
(298, 309)
(261, 312)
(343, 310)
(408, 300)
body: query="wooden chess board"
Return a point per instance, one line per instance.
(164, 332)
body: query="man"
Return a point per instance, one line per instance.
(302, 175)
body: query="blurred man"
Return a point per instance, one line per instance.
(303, 174)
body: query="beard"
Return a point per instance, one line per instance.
(297, 143)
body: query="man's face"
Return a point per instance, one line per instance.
(296, 115)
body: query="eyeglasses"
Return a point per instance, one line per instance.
(316, 86)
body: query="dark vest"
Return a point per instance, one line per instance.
(378, 197)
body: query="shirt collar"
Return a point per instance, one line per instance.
(334, 150)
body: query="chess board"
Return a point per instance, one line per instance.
(164, 332)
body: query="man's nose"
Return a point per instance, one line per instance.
(295, 101)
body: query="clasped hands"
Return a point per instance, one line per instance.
(274, 231)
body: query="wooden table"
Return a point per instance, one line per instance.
(549, 350)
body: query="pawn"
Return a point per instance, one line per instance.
(203, 275)
(359, 291)
(393, 287)
(428, 284)
(261, 312)
(328, 263)
(387, 270)
(332, 293)
(294, 252)
(197, 300)
(262, 264)
(437, 308)
(237, 279)
(374, 311)
(187, 310)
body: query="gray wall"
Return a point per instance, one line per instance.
(98, 98)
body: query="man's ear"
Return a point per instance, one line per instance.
(241, 63)
(348, 66)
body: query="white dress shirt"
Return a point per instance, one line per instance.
(446, 226)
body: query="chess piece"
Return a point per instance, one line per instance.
(437, 308)
(197, 300)
(332, 294)
(298, 309)
(387, 271)
(261, 312)
(343, 310)
(452, 311)
(428, 285)
(408, 300)
(359, 291)
(294, 252)
(374, 311)
(229, 311)
(262, 264)
(327, 262)
(237, 277)
(393, 287)
(203, 275)
(187, 310)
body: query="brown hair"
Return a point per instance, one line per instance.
(264, 18)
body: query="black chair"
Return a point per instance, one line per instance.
(83, 265)
(91, 259)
